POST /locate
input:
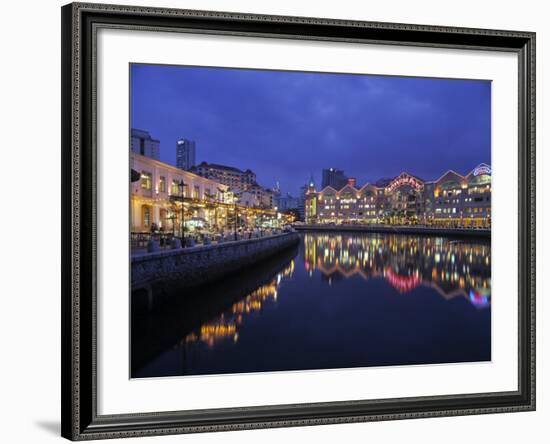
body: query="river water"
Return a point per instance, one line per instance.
(339, 300)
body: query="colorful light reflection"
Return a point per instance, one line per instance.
(479, 299)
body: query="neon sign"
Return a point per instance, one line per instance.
(482, 169)
(405, 179)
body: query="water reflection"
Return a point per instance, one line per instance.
(451, 267)
(226, 326)
(341, 300)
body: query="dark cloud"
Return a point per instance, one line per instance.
(288, 125)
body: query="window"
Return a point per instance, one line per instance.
(175, 188)
(162, 184)
(196, 192)
(146, 182)
(146, 216)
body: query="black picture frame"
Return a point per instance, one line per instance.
(79, 170)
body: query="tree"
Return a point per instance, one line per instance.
(294, 213)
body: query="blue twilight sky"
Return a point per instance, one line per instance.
(286, 126)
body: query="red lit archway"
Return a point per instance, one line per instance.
(405, 179)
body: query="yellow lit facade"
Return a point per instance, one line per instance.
(159, 202)
(452, 200)
(156, 196)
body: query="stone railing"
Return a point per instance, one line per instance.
(205, 263)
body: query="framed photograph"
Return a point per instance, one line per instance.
(280, 221)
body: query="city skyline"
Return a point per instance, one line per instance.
(430, 125)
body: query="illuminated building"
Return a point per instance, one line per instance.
(461, 200)
(304, 190)
(452, 200)
(154, 197)
(256, 196)
(236, 179)
(160, 202)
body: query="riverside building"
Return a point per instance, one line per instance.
(157, 195)
(166, 198)
(452, 200)
(234, 178)
(257, 196)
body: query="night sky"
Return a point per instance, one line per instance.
(286, 126)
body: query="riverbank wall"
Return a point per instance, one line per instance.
(198, 265)
(409, 229)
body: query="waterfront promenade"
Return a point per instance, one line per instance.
(400, 229)
(191, 266)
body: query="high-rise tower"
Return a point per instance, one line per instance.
(185, 154)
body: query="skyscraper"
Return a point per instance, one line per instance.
(185, 154)
(142, 143)
(334, 178)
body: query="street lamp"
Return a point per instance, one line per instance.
(182, 185)
(222, 192)
(235, 212)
